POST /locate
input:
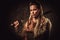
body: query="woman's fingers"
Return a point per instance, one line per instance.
(15, 24)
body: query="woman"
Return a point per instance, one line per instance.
(37, 25)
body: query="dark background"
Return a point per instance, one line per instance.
(11, 10)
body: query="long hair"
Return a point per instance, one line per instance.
(36, 30)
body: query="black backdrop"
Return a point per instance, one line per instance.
(11, 10)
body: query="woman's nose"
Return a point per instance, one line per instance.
(32, 12)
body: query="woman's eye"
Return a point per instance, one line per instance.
(35, 9)
(30, 10)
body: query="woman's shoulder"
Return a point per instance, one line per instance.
(48, 21)
(45, 19)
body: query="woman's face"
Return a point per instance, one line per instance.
(34, 11)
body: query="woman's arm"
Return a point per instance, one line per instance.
(50, 28)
